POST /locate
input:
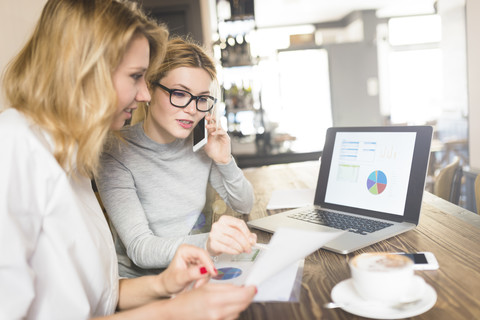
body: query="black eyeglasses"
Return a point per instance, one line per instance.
(181, 99)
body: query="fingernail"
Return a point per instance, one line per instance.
(203, 270)
(216, 271)
(256, 290)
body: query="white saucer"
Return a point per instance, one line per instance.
(345, 294)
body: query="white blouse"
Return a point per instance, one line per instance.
(57, 259)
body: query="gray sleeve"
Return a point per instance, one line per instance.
(118, 193)
(230, 183)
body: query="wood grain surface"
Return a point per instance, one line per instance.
(450, 232)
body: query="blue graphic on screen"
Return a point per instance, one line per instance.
(376, 182)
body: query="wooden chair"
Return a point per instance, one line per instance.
(477, 193)
(448, 182)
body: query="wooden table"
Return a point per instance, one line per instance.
(450, 232)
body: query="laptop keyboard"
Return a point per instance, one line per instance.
(340, 221)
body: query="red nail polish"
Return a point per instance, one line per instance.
(216, 271)
(256, 290)
(203, 270)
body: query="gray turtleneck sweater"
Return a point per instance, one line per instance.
(154, 194)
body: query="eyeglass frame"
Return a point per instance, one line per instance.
(192, 97)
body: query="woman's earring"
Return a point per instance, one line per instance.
(147, 104)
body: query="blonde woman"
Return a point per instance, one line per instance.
(80, 74)
(152, 183)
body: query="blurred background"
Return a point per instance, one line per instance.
(289, 69)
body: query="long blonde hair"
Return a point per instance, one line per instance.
(181, 52)
(62, 78)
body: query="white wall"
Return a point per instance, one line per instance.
(473, 61)
(17, 20)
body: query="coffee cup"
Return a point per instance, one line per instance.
(385, 277)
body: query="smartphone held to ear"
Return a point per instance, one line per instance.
(200, 135)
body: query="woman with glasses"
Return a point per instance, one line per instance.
(154, 186)
(58, 259)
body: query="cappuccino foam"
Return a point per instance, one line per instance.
(381, 262)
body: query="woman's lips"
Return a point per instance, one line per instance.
(128, 112)
(187, 124)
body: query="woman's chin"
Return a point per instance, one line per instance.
(117, 124)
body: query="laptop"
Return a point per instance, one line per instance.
(371, 184)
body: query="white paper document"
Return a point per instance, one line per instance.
(290, 198)
(273, 270)
(286, 247)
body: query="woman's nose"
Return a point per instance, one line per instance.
(191, 107)
(143, 94)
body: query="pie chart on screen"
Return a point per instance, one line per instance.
(377, 182)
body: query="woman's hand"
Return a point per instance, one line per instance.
(230, 235)
(189, 265)
(212, 301)
(218, 147)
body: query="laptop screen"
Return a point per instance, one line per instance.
(371, 170)
(375, 171)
